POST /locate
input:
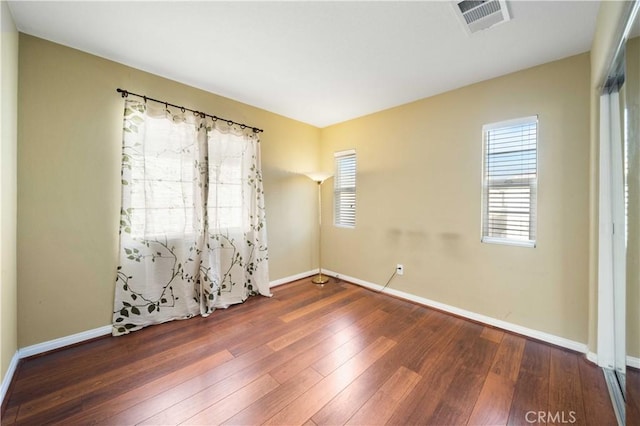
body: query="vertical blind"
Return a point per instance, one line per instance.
(510, 181)
(345, 189)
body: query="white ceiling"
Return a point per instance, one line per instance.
(318, 62)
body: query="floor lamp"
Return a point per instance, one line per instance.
(319, 177)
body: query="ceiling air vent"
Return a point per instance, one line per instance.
(480, 15)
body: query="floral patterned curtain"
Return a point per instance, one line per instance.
(192, 223)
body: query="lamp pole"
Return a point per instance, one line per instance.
(319, 177)
(320, 279)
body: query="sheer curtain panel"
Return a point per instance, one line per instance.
(192, 223)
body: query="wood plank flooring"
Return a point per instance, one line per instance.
(632, 406)
(310, 355)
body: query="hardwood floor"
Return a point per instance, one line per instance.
(338, 354)
(633, 396)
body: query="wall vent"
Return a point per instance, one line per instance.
(477, 15)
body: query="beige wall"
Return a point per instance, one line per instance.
(70, 121)
(8, 167)
(419, 200)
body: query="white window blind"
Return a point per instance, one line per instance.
(345, 189)
(509, 181)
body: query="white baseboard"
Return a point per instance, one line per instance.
(291, 278)
(529, 332)
(63, 341)
(6, 381)
(631, 361)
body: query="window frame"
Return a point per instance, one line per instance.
(531, 183)
(339, 190)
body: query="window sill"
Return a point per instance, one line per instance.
(344, 226)
(508, 242)
(176, 236)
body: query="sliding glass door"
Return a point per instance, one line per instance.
(619, 216)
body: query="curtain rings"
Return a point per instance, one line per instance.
(126, 93)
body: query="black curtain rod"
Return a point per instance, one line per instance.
(126, 93)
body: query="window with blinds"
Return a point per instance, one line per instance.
(344, 192)
(509, 181)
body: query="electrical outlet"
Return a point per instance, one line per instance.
(400, 269)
